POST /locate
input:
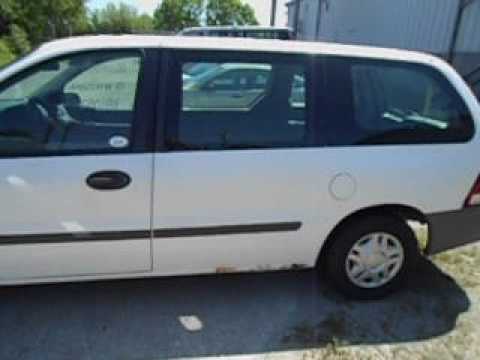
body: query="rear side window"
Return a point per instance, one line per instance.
(371, 102)
(236, 104)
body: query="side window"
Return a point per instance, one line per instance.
(241, 105)
(226, 81)
(224, 86)
(392, 103)
(77, 103)
(110, 85)
(297, 97)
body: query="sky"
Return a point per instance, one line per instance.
(261, 7)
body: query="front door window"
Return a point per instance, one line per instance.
(78, 103)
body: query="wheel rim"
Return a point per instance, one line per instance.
(374, 260)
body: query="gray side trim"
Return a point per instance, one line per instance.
(146, 234)
(452, 229)
(72, 237)
(228, 230)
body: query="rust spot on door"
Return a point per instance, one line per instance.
(225, 269)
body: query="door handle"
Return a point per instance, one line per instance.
(108, 180)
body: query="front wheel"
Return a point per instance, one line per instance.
(370, 258)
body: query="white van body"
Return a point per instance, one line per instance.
(208, 211)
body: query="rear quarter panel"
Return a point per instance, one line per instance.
(430, 178)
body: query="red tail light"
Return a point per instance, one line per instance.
(473, 198)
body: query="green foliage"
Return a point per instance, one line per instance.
(174, 15)
(143, 24)
(18, 40)
(8, 10)
(13, 39)
(27, 23)
(6, 54)
(47, 19)
(230, 12)
(120, 19)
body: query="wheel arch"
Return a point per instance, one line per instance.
(401, 212)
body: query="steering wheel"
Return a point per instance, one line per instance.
(42, 108)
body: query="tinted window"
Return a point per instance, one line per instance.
(224, 86)
(110, 85)
(297, 97)
(239, 105)
(378, 102)
(83, 102)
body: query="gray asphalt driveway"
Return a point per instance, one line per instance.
(241, 314)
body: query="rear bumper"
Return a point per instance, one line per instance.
(452, 229)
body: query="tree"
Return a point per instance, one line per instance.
(121, 19)
(14, 39)
(18, 40)
(230, 12)
(175, 15)
(7, 15)
(46, 19)
(27, 23)
(6, 54)
(144, 24)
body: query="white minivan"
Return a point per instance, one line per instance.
(133, 156)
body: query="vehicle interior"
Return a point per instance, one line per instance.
(62, 105)
(384, 104)
(249, 107)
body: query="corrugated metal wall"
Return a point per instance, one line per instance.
(469, 33)
(311, 12)
(409, 24)
(290, 13)
(425, 25)
(467, 45)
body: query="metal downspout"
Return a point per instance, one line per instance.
(297, 17)
(462, 5)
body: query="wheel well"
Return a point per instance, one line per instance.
(402, 212)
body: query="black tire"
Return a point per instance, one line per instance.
(338, 249)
